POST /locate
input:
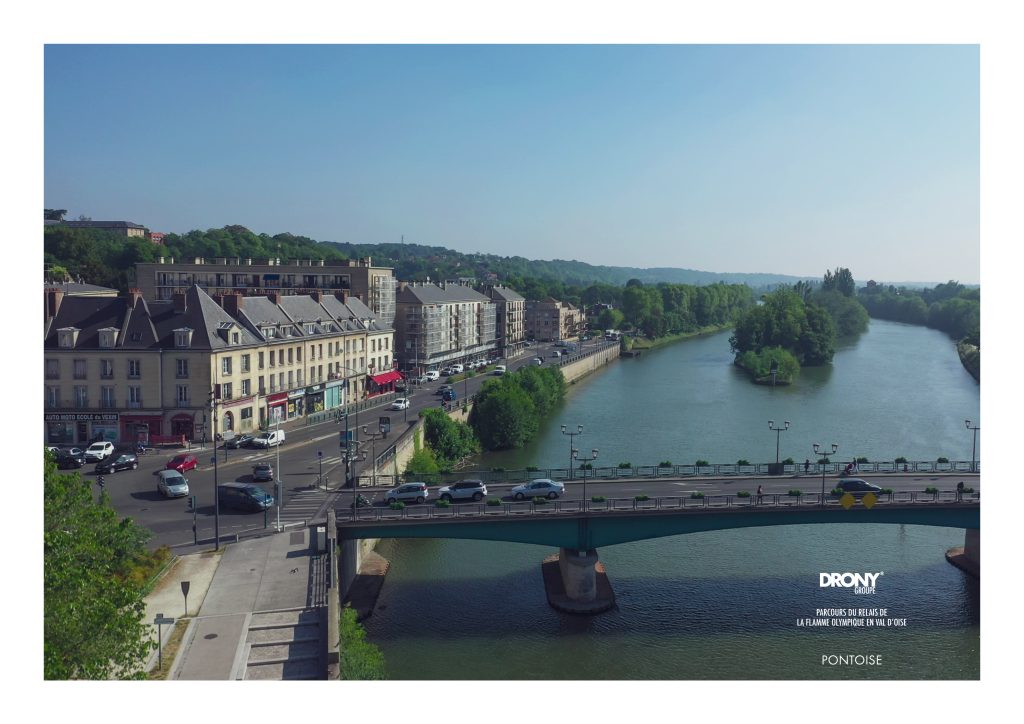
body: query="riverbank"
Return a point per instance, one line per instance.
(643, 343)
(970, 358)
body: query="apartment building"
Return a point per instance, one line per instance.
(374, 285)
(550, 320)
(436, 325)
(510, 319)
(124, 228)
(124, 368)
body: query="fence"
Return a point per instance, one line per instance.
(355, 408)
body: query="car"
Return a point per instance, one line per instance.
(243, 440)
(449, 395)
(557, 353)
(69, 459)
(442, 389)
(539, 488)
(432, 375)
(262, 471)
(463, 490)
(499, 370)
(457, 369)
(537, 361)
(99, 451)
(268, 439)
(857, 487)
(400, 404)
(124, 461)
(183, 462)
(171, 484)
(244, 496)
(409, 491)
(401, 386)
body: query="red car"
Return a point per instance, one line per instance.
(181, 463)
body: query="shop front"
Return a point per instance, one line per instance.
(296, 404)
(184, 424)
(277, 406)
(140, 428)
(80, 428)
(314, 399)
(382, 383)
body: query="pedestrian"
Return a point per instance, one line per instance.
(960, 491)
(853, 466)
(807, 465)
(760, 494)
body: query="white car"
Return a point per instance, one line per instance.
(400, 404)
(99, 451)
(539, 488)
(456, 369)
(499, 370)
(432, 375)
(410, 491)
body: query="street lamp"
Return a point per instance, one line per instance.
(974, 448)
(214, 395)
(373, 436)
(824, 452)
(320, 459)
(277, 469)
(778, 432)
(593, 456)
(571, 434)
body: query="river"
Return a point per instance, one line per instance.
(718, 605)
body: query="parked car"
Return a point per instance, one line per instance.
(457, 369)
(537, 361)
(268, 439)
(432, 375)
(410, 491)
(400, 404)
(171, 484)
(463, 490)
(244, 496)
(857, 487)
(243, 440)
(124, 461)
(541, 487)
(401, 385)
(99, 451)
(262, 472)
(499, 370)
(183, 462)
(70, 459)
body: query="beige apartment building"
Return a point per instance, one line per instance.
(510, 319)
(550, 320)
(162, 279)
(436, 325)
(125, 369)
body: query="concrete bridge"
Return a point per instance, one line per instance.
(579, 528)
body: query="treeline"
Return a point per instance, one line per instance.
(508, 410)
(950, 307)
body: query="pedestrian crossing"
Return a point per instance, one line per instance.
(303, 505)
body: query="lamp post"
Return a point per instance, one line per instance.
(571, 434)
(778, 432)
(214, 394)
(593, 456)
(277, 469)
(974, 447)
(320, 459)
(820, 450)
(373, 436)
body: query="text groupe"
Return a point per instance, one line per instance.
(851, 659)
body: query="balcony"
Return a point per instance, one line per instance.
(135, 405)
(184, 403)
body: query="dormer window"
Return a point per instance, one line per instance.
(310, 329)
(108, 338)
(67, 338)
(269, 332)
(183, 338)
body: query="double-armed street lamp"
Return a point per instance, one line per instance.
(373, 437)
(572, 449)
(593, 456)
(819, 450)
(778, 432)
(974, 448)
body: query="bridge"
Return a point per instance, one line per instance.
(578, 528)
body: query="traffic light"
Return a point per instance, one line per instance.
(191, 502)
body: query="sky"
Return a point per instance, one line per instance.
(787, 159)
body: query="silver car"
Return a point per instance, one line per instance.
(539, 488)
(463, 490)
(410, 491)
(171, 484)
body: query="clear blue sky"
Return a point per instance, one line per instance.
(784, 159)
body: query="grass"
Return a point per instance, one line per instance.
(172, 642)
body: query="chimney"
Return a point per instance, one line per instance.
(274, 297)
(318, 296)
(232, 304)
(341, 295)
(53, 300)
(179, 301)
(134, 295)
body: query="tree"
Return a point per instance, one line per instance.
(54, 214)
(504, 417)
(841, 281)
(92, 610)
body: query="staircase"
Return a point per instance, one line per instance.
(286, 645)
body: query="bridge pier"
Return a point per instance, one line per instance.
(968, 558)
(575, 582)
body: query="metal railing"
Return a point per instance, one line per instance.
(331, 415)
(773, 501)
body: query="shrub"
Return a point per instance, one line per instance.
(901, 460)
(836, 491)
(931, 489)
(967, 490)
(397, 505)
(497, 470)
(540, 501)
(741, 461)
(743, 494)
(641, 498)
(701, 463)
(625, 465)
(532, 468)
(360, 660)
(862, 460)
(602, 499)
(788, 461)
(586, 466)
(887, 491)
(696, 494)
(942, 460)
(795, 493)
(665, 464)
(442, 504)
(494, 501)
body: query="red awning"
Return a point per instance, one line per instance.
(387, 377)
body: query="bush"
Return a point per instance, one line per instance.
(397, 505)
(625, 465)
(696, 494)
(836, 491)
(494, 501)
(931, 489)
(360, 660)
(586, 466)
(901, 460)
(701, 463)
(741, 461)
(788, 461)
(887, 491)
(665, 464)
(532, 468)
(540, 501)
(497, 470)
(641, 498)
(942, 460)
(743, 494)
(602, 499)
(442, 504)
(967, 490)
(795, 493)
(862, 460)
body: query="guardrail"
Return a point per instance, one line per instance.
(430, 510)
(331, 415)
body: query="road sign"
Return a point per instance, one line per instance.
(184, 587)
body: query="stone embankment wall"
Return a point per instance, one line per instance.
(588, 363)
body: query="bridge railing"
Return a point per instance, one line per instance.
(383, 513)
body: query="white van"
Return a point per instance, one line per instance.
(456, 369)
(268, 439)
(432, 375)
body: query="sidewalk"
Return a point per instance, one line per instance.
(266, 573)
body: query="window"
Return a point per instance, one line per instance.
(225, 391)
(280, 357)
(291, 378)
(280, 380)
(245, 363)
(260, 360)
(181, 369)
(310, 329)
(79, 369)
(107, 338)
(247, 413)
(183, 338)
(234, 338)
(298, 354)
(53, 369)
(261, 385)
(134, 368)
(106, 369)
(320, 372)
(246, 388)
(134, 396)
(53, 397)
(225, 366)
(181, 394)
(107, 397)
(81, 396)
